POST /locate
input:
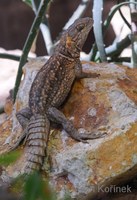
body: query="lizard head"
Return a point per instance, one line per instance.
(75, 36)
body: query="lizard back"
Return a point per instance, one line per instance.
(52, 84)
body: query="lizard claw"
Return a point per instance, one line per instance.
(93, 75)
(98, 135)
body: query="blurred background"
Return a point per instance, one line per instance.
(16, 18)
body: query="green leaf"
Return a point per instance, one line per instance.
(112, 12)
(9, 56)
(107, 23)
(9, 158)
(35, 188)
(124, 19)
(45, 29)
(28, 2)
(1, 109)
(29, 41)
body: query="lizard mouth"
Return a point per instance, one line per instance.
(84, 33)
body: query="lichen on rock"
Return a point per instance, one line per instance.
(104, 104)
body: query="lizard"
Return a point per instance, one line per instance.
(48, 92)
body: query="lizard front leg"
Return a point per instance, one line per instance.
(58, 117)
(80, 74)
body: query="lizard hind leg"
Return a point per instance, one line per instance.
(24, 116)
(38, 132)
(58, 117)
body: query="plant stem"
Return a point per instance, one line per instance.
(9, 56)
(117, 48)
(123, 17)
(78, 13)
(1, 109)
(97, 27)
(133, 11)
(44, 27)
(31, 36)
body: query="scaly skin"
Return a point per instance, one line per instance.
(53, 82)
(49, 90)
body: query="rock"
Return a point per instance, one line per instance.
(30, 70)
(105, 104)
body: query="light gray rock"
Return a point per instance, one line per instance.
(105, 104)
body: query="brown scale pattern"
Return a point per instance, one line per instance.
(48, 91)
(57, 76)
(38, 131)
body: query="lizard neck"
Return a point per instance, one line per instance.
(67, 57)
(70, 53)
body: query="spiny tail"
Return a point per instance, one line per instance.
(38, 131)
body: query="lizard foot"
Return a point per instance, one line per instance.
(82, 135)
(20, 139)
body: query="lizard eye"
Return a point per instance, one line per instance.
(80, 27)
